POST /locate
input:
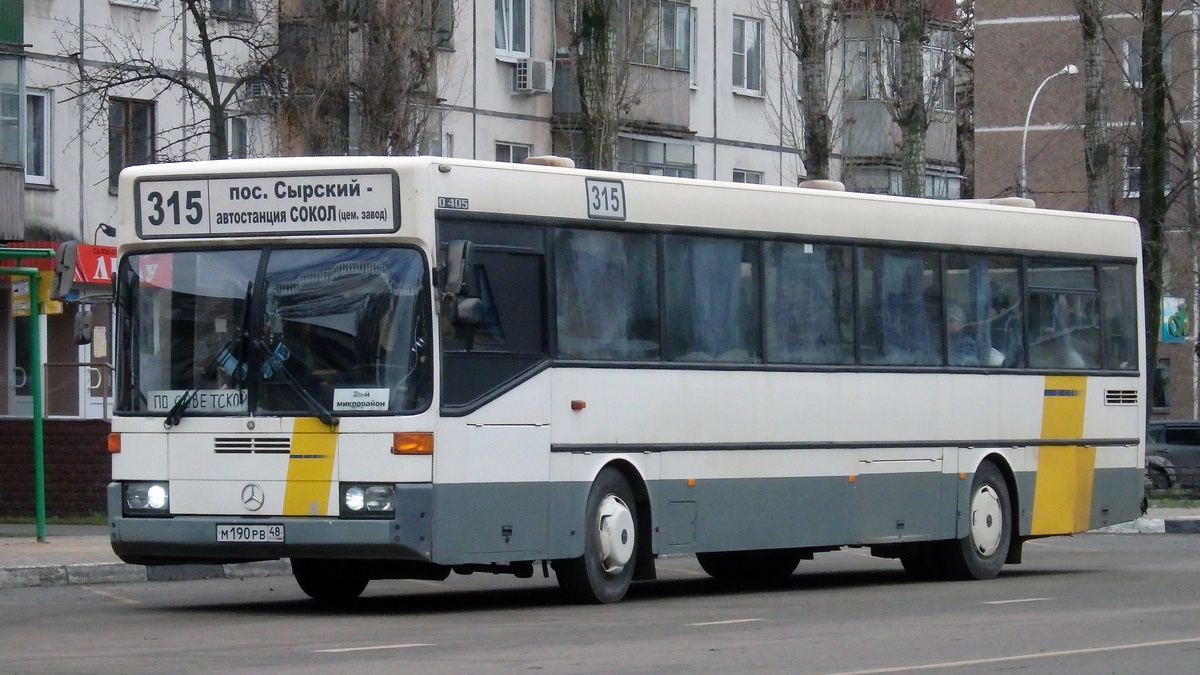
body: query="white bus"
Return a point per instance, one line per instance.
(391, 368)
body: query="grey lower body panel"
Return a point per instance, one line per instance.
(192, 538)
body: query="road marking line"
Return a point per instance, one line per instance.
(1020, 657)
(111, 596)
(369, 649)
(676, 569)
(1013, 602)
(724, 623)
(424, 582)
(1060, 548)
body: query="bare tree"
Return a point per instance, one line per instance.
(1153, 203)
(911, 110)
(232, 41)
(360, 76)
(809, 30)
(964, 95)
(603, 38)
(1097, 138)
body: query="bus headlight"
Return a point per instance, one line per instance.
(147, 499)
(368, 500)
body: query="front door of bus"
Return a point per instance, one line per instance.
(495, 398)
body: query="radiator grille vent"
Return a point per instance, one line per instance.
(1120, 397)
(249, 445)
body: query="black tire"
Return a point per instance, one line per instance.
(981, 554)
(1157, 479)
(610, 544)
(750, 568)
(925, 562)
(329, 582)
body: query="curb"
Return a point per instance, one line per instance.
(111, 573)
(1153, 526)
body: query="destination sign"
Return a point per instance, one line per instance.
(361, 202)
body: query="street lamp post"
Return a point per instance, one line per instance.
(1023, 181)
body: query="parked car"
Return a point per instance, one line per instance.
(1173, 454)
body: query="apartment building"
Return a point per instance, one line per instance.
(714, 97)
(1021, 43)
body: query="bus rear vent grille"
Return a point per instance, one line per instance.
(249, 445)
(1120, 397)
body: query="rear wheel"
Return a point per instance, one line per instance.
(329, 582)
(981, 554)
(610, 544)
(1157, 479)
(750, 567)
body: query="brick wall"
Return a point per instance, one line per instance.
(78, 467)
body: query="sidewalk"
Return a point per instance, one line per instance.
(81, 554)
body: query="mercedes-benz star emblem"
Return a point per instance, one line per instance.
(253, 496)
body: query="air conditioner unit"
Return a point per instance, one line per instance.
(258, 89)
(533, 76)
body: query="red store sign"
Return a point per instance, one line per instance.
(95, 264)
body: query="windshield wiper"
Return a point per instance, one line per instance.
(223, 359)
(277, 365)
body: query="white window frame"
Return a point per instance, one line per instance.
(1131, 60)
(232, 122)
(655, 50)
(747, 176)
(742, 76)
(507, 30)
(232, 10)
(509, 148)
(1131, 173)
(47, 139)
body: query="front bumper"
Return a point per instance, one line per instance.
(192, 538)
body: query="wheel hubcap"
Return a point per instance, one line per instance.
(987, 521)
(616, 531)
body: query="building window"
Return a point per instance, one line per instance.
(130, 135)
(512, 152)
(869, 64)
(238, 137)
(938, 59)
(1132, 61)
(1132, 173)
(747, 55)
(656, 158)
(744, 176)
(37, 138)
(232, 9)
(668, 41)
(10, 111)
(512, 28)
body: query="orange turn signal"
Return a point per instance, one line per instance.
(412, 443)
(114, 443)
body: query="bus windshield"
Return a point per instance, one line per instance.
(307, 331)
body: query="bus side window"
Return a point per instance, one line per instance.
(509, 279)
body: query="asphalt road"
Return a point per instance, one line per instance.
(1088, 604)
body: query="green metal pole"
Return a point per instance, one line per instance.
(35, 372)
(35, 386)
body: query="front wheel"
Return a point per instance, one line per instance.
(981, 554)
(329, 582)
(610, 544)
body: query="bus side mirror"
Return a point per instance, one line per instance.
(458, 264)
(84, 326)
(64, 270)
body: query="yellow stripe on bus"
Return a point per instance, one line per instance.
(310, 469)
(1062, 495)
